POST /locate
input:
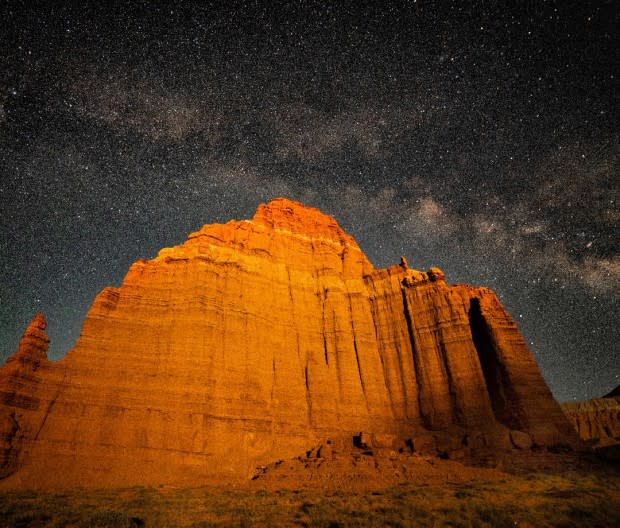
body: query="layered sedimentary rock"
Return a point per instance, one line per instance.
(21, 415)
(598, 420)
(252, 341)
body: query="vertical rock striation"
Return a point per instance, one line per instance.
(254, 340)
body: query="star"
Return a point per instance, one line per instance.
(482, 141)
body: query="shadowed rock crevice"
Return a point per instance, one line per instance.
(491, 366)
(425, 421)
(8, 449)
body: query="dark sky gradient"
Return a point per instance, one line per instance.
(475, 136)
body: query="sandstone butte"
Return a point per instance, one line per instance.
(256, 339)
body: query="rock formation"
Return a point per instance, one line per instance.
(598, 420)
(258, 338)
(613, 393)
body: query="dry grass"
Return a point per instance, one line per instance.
(538, 500)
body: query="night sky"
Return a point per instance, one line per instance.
(478, 137)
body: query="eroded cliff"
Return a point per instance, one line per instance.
(256, 339)
(598, 420)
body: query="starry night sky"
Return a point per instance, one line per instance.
(478, 137)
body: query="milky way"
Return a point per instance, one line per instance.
(476, 138)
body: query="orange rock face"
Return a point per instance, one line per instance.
(598, 420)
(256, 339)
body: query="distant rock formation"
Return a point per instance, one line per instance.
(256, 339)
(614, 393)
(598, 420)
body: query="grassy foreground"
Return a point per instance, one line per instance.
(538, 500)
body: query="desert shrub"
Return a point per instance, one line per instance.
(578, 512)
(325, 523)
(114, 519)
(26, 521)
(496, 517)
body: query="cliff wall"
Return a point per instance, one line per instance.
(256, 339)
(598, 420)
